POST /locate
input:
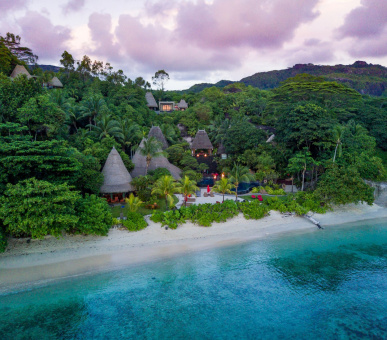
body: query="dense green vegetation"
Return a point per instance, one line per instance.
(53, 143)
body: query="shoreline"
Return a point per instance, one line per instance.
(27, 264)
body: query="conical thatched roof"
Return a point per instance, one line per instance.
(20, 69)
(139, 162)
(156, 132)
(182, 104)
(116, 177)
(201, 141)
(55, 82)
(151, 102)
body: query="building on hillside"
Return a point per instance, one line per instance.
(18, 70)
(55, 83)
(182, 106)
(201, 144)
(117, 179)
(150, 101)
(222, 151)
(156, 132)
(140, 169)
(166, 106)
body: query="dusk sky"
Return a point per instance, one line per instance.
(203, 40)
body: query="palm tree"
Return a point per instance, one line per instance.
(107, 126)
(93, 106)
(133, 202)
(239, 173)
(73, 115)
(150, 149)
(131, 132)
(58, 97)
(166, 186)
(188, 187)
(222, 187)
(338, 133)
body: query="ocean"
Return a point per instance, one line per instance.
(321, 284)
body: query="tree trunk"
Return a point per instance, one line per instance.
(236, 191)
(334, 156)
(223, 198)
(292, 183)
(90, 123)
(303, 179)
(148, 160)
(166, 202)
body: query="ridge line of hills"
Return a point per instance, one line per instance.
(363, 77)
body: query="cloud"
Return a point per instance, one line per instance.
(73, 6)
(100, 26)
(44, 38)
(191, 36)
(313, 51)
(365, 21)
(10, 5)
(366, 26)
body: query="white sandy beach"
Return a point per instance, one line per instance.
(53, 258)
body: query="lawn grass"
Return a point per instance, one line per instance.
(116, 210)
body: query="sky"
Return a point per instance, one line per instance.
(198, 41)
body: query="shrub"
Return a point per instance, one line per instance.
(3, 239)
(94, 214)
(134, 222)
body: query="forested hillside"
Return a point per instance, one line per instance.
(364, 78)
(54, 142)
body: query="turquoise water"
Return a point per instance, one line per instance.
(327, 284)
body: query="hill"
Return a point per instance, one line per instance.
(361, 76)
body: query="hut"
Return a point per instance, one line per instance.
(201, 142)
(150, 101)
(222, 151)
(18, 70)
(182, 105)
(55, 83)
(117, 179)
(156, 132)
(139, 162)
(166, 106)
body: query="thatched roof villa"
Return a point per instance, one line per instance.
(55, 82)
(116, 177)
(139, 162)
(151, 101)
(18, 70)
(182, 105)
(156, 132)
(201, 142)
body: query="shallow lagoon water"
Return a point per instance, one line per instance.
(325, 284)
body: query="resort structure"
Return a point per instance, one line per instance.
(18, 70)
(156, 132)
(117, 179)
(55, 83)
(150, 101)
(201, 144)
(139, 160)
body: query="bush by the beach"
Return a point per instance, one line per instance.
(134, 222)
(253, 210)
(94, 214)
(34, 208)
(3, 239)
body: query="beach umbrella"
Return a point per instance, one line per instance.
(208, 188)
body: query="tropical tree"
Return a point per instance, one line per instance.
(166, 186)
(73, 115)
(133, 202)
(338, 133)
(108, 126)
(222, 187)
(300, 162)
(150, 149)
(188, 187)
(91, 107)
(239, 173)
